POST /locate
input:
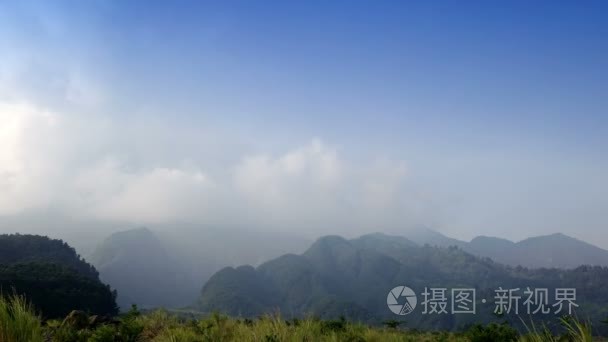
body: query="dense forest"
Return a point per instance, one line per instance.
(20, 248)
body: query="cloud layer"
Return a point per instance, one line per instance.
(74, 166)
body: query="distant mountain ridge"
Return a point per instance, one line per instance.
(179, 262)
(554, 250)
(339, 277)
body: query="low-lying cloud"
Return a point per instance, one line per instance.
(72, 165)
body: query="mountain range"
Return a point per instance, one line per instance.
(339, 277)
(179, 262)
(331, 277)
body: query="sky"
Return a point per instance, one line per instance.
(470, 118)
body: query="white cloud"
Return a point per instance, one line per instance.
(87, 166)
(313, 187)
(157, 195)
(22, 174)
(275, 182)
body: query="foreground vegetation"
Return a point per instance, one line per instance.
(18, 323)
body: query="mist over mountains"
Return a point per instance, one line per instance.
(180, 262)
(252, 274)
(168, 268)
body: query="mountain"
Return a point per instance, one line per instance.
(52, 276)
(137, 265)
(336, 277)
(555, 250)
(166, 268)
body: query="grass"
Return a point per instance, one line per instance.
(273, 328)
(575, 330)
(579, 331)
(19, 323)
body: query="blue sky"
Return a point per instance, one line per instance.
(479, 117)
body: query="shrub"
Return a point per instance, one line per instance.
(578, 331)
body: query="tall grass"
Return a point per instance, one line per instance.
(18, 322)
(159, 327)
(576, 331)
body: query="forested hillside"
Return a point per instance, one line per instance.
(52, 276)
(18, 248)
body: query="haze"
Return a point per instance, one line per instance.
(310, 118)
